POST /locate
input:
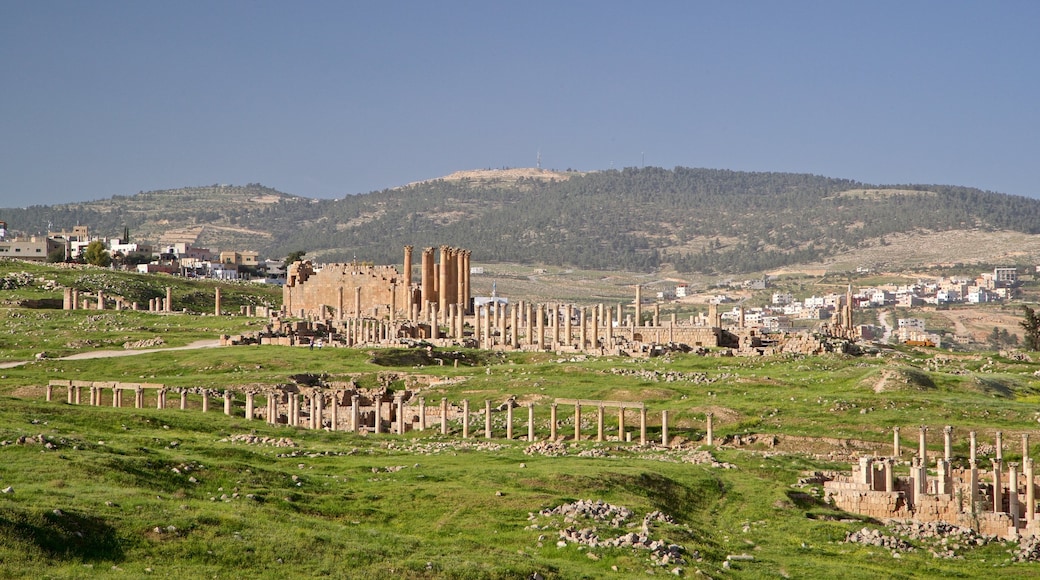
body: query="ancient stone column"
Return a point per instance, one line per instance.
(642, 425)
(998, 490)
(583, 334)
(942, 469)
(1030, 507)
(335, 410)
(465, 418)
(974, 445)
(1013, 493)
(444, 416)
(408, 273)
(664, 428)
(184, 399)
(947, 442)
(863, 473)
(554, 326)
(66, 301)
(357, 301)
(100, 300)
(711, 430)
(608, 326)
(973, 483)
(509, 420)
(429, 293)
(355, 413)
(922, 449)
(567, 326)
(890, 484)
(138, 399)
(467, 295)
(502, 309)
(552, 422)
(639, 306)
(318, 421)
(594, 336)
(529, 324)
(577, 421)
(399, 401)
(919, 472)
(621, 423)
(216, 302)
(442, 290)
(514, 337)
(1025, 445)
(227, 402)
(169, 299)
(599, 423)
(422, 413)
(540, 332)
(657, 314)
(379, 414)
(530, 422)
(1000, 446)
(117, 397)
(460, 277)
(249, 406)
(487, 419)
(393, 303)
(160, 399)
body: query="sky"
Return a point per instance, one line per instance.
(326, 99)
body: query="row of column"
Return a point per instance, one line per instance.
(314, 404)
(944, 482)
(72, 300)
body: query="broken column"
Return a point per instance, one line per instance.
(465, 418)
(577, 421)
(487, 419)
(444, 416)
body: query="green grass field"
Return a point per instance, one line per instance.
(124, 492)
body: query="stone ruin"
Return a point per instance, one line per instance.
(312, 402)
(359, 304)
(1000, 501)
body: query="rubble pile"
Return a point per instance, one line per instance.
(547, 448)
(258, 440)
(869, 537)
(662, 553)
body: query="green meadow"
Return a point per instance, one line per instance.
(125, 492)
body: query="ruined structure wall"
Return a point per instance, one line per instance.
(308, 291)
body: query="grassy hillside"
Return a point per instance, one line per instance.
(693, 220)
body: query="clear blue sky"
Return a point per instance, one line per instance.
(323, 99)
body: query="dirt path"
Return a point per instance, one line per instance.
(211, 343)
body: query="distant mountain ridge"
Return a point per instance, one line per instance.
(638, 219)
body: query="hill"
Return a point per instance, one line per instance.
(694, 220)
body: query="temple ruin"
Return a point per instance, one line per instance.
(1000, 501)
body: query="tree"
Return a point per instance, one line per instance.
(1031, 325)
(293, 257)
(96, 254)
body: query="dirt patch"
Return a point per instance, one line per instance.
(721, 414)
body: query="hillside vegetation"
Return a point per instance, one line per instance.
(695, 220)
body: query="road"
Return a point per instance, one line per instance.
(211, 343)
